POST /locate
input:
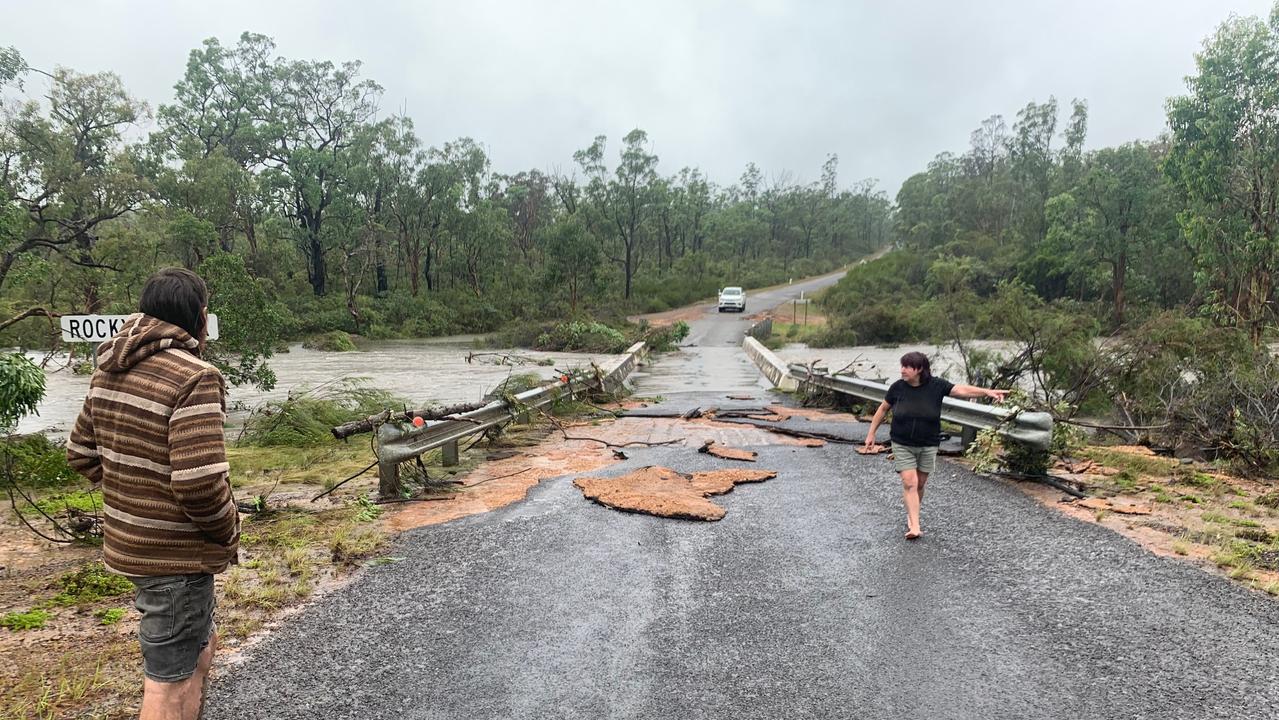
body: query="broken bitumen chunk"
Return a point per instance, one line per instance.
(727, 453)
(665, 492)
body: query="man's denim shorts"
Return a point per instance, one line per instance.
(906, 457)
(177, 622)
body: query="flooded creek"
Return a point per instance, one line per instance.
(421, 371)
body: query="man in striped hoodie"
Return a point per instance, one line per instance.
(150, 435)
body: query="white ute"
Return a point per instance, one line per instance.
(732, 298)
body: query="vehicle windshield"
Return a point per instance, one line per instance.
(732, 291)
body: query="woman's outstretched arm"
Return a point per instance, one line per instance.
(969, 392)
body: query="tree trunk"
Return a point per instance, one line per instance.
(316, 270)
(426, 269)
(1118, 281)
(379, 250)
(628, 268)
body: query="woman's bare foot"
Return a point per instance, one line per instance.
(914, 534)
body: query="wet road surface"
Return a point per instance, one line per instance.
(803, 602)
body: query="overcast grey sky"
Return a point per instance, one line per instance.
(884, 85)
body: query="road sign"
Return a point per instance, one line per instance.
(99, 328)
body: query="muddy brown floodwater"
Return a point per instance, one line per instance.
(421, 371)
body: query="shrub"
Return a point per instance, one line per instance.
(30, 620)
(306, 419)
(21, 388)
(664, 338)
(579, 336)
(332, 341)
(90, 584)
(35, 461)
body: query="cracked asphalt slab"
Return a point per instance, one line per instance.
(804, 601)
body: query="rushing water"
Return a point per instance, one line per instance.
(876, 362)
(421, 371)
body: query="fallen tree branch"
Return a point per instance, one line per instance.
(1116, 428)
(498, 358)
(13, 502)
(805, 434)
(30, 312)
(335, 487)
(433, 412)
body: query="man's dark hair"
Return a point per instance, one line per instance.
(176, 296)
(918, 361)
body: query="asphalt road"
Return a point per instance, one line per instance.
(711, 357)
(803, 602)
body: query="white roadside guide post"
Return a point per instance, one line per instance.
(794, 308)
(95, 329)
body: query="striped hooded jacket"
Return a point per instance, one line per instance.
(151, 434)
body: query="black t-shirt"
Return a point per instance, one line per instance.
(917, 411)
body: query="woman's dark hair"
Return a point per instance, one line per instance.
(176, 296)
(918, 361)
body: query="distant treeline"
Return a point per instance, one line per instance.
(282, 181)
(1186, 222)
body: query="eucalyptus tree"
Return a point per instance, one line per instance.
(683, 202)
(316, 113)
(1031, 162)
(211, 140)
(623, 204)
(68, 169)
(1111, 215)
(1225, 157)
(572, 260)
(527, 197)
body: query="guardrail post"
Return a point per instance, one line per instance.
(968, 436)
(448, 453)
(388, 484)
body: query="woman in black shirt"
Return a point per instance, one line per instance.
(916, 430)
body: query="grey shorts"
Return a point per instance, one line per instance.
(907, 457)
(177, 622)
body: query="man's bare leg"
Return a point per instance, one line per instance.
(182, 700)
(910, 495)
(198, 689)
(163, 700)
(923, 480)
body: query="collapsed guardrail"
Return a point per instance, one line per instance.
(1031, 428)
(396, 445)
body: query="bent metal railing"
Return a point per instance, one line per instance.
(1031, 428)
(397, 444)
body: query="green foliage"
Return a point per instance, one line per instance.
(368, 511)
(35, 461)
(21, 389)
(11, 65)
(665, 338)
(515, 384)
(89, 501)
(29, 620)
(577, 336)
(249, 323)
(89, 584)
(332, 341)
(1225, 145)
(306, 419)
(110, 616)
